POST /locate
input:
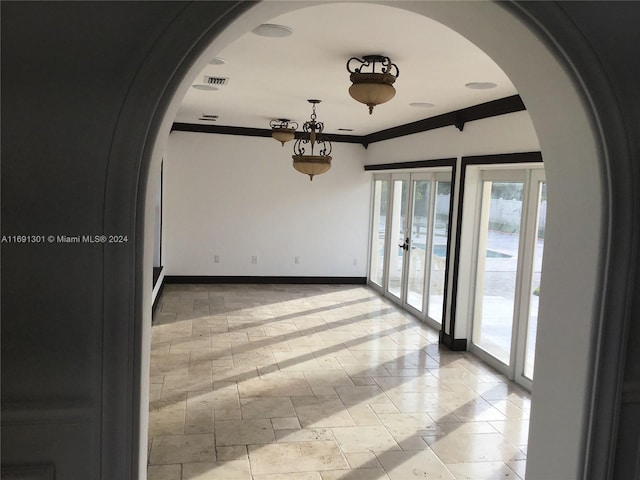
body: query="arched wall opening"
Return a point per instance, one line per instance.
(578, 225)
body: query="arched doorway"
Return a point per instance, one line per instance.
(578, 243)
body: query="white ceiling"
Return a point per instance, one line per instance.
(273, 77)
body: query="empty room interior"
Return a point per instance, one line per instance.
(320, 240)
(372, 316)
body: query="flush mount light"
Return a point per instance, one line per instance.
(421, 105)
(372, 81)
(217, 61)
(205, 87)
(480, 85)
(318, 161)
(283, 130)
(272, 30)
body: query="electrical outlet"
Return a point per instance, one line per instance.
(254, 259)
(216, 258)
(296, 259)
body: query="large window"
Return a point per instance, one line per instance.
(410, 231)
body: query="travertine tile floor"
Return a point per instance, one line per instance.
(320, 382)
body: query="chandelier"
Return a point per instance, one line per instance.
(318, 160)
(372, 81)
(283, 130)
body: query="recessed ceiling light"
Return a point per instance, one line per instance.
(205, 87)
(272, 30)
(480, 85)
(217, 61)
(421, 104)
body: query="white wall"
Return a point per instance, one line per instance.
(238, 197)
(508, 133)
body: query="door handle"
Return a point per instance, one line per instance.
(405, 245)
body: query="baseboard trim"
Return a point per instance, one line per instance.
(453, 344)
(205, 279)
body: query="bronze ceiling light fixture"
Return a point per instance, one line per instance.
(318, 160)
(283, 130)
(372, 81)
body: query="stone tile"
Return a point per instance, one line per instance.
(291, 387)
(188, 383)
(289, 476)
(363, 415)
(407, 402)
(518, 466)
(409, 424)
(155, 392)
(414, 465)
(391, 393)
(482, 471)
(286, 423)
(199, 417)
(164, 472)
(364, 439)
(322, 412)
(331, 378)
(244, 432)
(458, 447)
(366, 394)
(362, 474)
(170, 364)
(166, 418)
(180, 344)
(270, 407)
(324, 391)
(362, 460)
(296, 457)
(231, 470)
(182, 449)
(303, 435)
(236, 374)
(516, 432)
(231, 453)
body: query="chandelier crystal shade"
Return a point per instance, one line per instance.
(283, 130)
(318, 159)
(372, 78)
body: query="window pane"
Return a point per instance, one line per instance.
(378, 235)
(416, 274)
(500, 234)
(439, 251)
(532, 326)
(398, 235)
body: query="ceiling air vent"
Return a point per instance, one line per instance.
(217, 81)
(210, 118)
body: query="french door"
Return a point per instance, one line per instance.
(409, 240)
(510, 244)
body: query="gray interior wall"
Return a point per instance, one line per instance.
(67, 73)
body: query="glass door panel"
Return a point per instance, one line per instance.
(532, 321)
(379, 232)
(421, 198)
(398, 236)
(440, 226)
(496, 282)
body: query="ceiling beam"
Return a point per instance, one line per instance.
(457, 118)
